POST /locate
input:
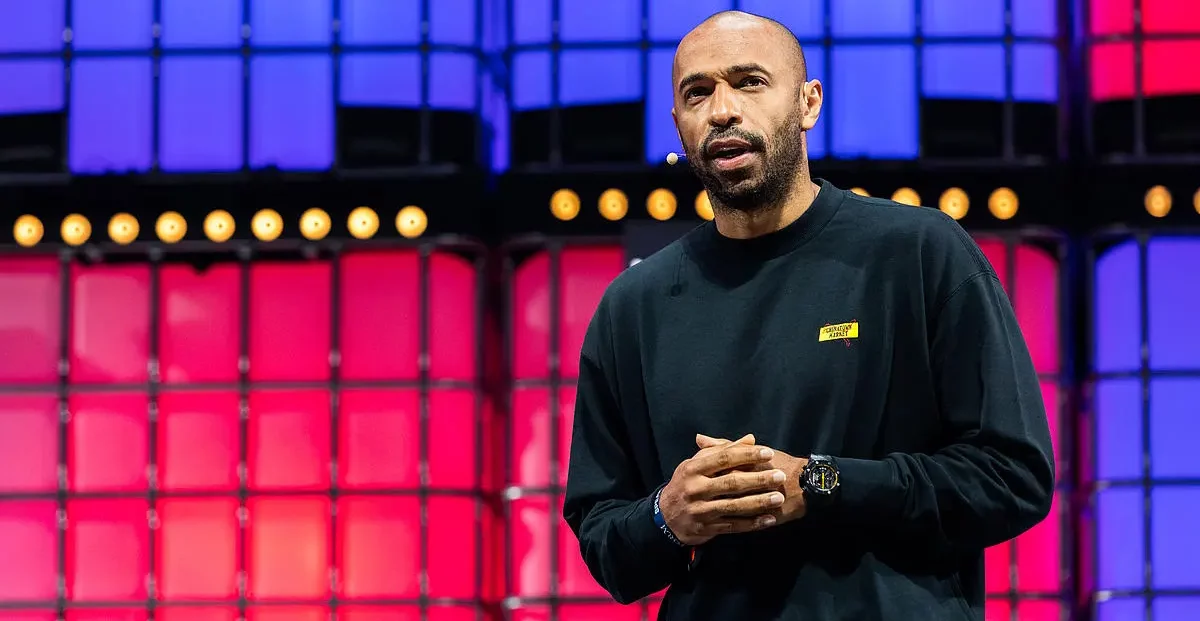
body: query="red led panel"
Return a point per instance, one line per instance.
(1039, 553)
(199, 331)
(1030, 610)
(197, 548)
(110, 323)
(652, 607)
(580, 612)
(453, 546)
(28, 443)
(378, 439)
(531, 444)
(379, 547)
(29, 547)
(288, 613)
(198, 441)
(290, 315)
(108, 614)
(574, 577)
(1169, 67)
(193, 613)
(584, 275)
(453, 454)
(1035, 299)
(108, 545)
(380, 315)
(288, 541)
(1170, 17)
(1111, 71)
(407, 613)
(453, 326)
(30, 315)
(108, 443)
(530, 533)
(289, 440)
(1111, 17)
(30, 615)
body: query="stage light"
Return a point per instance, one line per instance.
(1196, 201)
(1158, 201)
(363, 223)
(704, 207)
(661, 204)
(28, 231)
(412, 221)
(267, 225)
(76, 229)
(219, 226)
(315, 224)
(907, 196)
(860, 191)
(1003, 203)
(954, 203)
(123, 228)
(564, 204)
(613, 204)
(170, 227)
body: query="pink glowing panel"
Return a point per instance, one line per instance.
(580, 612)
(290, 314)
(110, 323)
(28, 443)
(1111, 71)
(127, 614)
(30, 615)
(378, 439)
(453, 454)
(108, 550)
(194, 613)
(453, 313)
(288, 613)
(1109, 17)
(198, 441)
(407, 613)
(1028, 610)
(289, 440)
(1039, 553)
(29, 547)
(108, 442)
(199, 333)
(379, 547)
(1168, 67)
(197, 550)
(998, 567)
(584, 274)
(453, 547)
(574, 577)
(1035, 298)
(652, 606)
(531, 444)
(380, 315)
(288, 545)
(530, 529)
(30, 312)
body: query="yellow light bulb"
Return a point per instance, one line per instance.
(564, 204)
(907, 196)
(315, 224)
(1003, 203)
(219, 226)
(954, 203)
(613, 204)
(28, 231)
(170, 227)
(704, 207)
(860, 191)
(123, 228)
(76, 229)
(661, 204)
(363, 223)
(411, 222)
(1158, 201)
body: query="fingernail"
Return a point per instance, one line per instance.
(767, 521)
(776, 499)
(766, 453)
(778, 477)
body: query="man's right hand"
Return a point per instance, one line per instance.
(712, 493)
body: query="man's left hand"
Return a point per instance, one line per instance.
(793, 504)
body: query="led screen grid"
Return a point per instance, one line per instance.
(552, 296)
(254, 439)
(1146, 370)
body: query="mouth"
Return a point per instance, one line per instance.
(730, 154)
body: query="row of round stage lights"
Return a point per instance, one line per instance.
(267, 225)
(661, 204)
(1158, 201)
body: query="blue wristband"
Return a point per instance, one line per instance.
(661, 521)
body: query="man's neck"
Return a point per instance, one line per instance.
(738, 224)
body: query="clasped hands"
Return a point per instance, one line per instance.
(732, 487)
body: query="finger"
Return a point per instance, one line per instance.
(703, 441)
(739, 483)
(744, 506)
(729, 456)
(729, 526)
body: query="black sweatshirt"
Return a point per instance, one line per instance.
(930, 406)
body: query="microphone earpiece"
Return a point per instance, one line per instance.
(673, 158)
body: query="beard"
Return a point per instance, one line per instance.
(749, 190)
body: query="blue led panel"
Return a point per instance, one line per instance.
(452, 22)
(531, 21)
(1035, 72)
(453, 80)
(806, 20)
(963, 71)
(291, 22)
(1118, 439)
(108, 25)
(661, 136)
(1176, 607)
(531, 81)
(1120, 536)
(671, 19)
(200, 114)
(956, 18)
(201, 23)
(1174, 427)
(1175, 540)
(291, 112)
(110, 121)
(873, 18)
(27, 26)
(1124, 609)
(1035, 18)
(1117, 318)
(600, 76)
(381, 22)
(865, 122)
(1174, 331)
(589, 20)
(381, 79)
(31, 86)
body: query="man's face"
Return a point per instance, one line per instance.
(741, 107)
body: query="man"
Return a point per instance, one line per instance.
(818, 406)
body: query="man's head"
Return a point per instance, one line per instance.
(742, 103)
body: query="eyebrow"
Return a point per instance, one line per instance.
(735, 69)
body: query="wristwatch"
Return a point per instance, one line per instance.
(820, 481)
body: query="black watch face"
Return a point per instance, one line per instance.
(822, 478)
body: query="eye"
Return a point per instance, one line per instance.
(753, 81)
(692, 93)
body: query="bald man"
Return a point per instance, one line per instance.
(817, 406)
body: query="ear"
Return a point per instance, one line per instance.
(814, 96)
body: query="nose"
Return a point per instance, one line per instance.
(725, 109)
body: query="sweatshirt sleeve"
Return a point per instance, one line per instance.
(607, 503)
(994, 477)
